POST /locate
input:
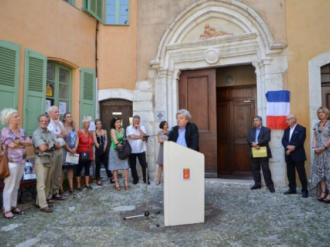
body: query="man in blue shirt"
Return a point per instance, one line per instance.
(185, 133)
(258, 137)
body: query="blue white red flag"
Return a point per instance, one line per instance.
(278, 108)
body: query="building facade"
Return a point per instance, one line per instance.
(217, 58)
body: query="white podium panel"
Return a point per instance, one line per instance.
(184, 193)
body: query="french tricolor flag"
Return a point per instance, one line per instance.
(278, 107)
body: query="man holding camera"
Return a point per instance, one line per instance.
(137, 137)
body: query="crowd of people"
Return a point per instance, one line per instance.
(54, 141)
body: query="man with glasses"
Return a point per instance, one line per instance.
(259, 137)
(295, 155)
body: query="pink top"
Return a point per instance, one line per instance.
(15, 155)
(85, 144)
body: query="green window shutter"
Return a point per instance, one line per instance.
(94, 8)
(87, 93)
(9, 75)
(34, 89)
(117, 12)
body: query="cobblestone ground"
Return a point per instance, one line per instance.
(235, 216)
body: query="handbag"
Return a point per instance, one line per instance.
(84, 156)
(124, 150)
(4, 167)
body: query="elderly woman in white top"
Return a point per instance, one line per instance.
(14, 140)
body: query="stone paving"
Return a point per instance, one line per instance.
(235, 216)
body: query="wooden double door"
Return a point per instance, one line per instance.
(224, 116)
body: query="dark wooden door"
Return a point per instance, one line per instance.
(115, 108)
(235, 112)
(326, 95)
(197, 94)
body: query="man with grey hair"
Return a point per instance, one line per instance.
(137, 137)
(185, 133)
(295, 155)
(258, 137)
(55, 126)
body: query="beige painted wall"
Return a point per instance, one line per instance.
(154, 17)
(308, 35)
(56, 29)
(243, 75)
(117, 53)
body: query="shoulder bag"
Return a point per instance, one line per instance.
(124, 150)
(4, 167)
(84, 156)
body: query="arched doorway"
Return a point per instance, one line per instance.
(115, 108)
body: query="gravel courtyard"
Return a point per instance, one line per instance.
(235, 216)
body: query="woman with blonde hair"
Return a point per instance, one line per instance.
(321, 165)
(71, 144)
(14, 140)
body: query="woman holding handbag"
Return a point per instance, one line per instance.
(85, 151)
(14, 140)
(117, 134)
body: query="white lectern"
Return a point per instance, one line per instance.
(184, 197)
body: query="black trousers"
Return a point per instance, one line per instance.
(101, 158)
(262, 163)
(81, 165)
(143, 162)
(291, 167)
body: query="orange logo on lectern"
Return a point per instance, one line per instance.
(186, 173)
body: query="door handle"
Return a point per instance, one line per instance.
(247, 101)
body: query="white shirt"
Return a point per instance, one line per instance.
(138, 145)
(53, 127)
(291, 132)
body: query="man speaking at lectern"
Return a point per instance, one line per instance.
(185, 133)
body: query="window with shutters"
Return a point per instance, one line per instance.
(9, 74)
(94, 8)
(72, 2)
(117, 12)
(87, 93)
(58, 87)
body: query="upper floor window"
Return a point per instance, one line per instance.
(72, 2)
(117, 12)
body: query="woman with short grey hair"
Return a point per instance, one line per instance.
(14, 140)
(185, 133)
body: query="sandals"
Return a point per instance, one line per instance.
(99, 183)
(72, 191)
(16, 210)
(8, 215)
(58, 197)
(61, 192)
(326, 199)
(117, 188)
(321, 198)
(126, 186)
(112, 181)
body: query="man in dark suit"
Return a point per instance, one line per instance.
(258, 137)
(185, 133)
(295, 155)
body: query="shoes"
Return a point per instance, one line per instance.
(255, 187)
(305, 194)
(72, 191)
(89, 187)
(126, 187)
(145, 181)
(290, 192)
(272, 189)
(322, 196)
(46, 210)
(61, 192)
(49, 205)
(58, 197)
(80, 189)
(8, 215)
(117, 188)
(99, 183)
(17, 211)
(135, 181)
(112, 181)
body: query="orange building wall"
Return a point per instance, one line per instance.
(308, 36)
(56, 29)
(117, 53)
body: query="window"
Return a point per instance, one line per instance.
(117, 12)
(58, 87)
(94, 8)
(72, 2)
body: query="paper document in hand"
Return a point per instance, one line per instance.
(259, 153)
(72, 158)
